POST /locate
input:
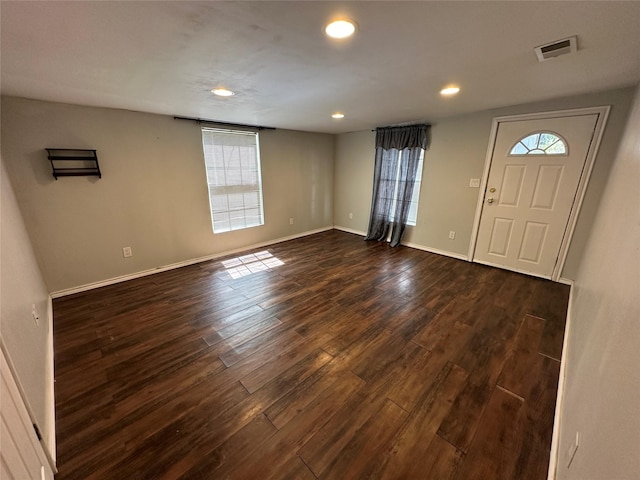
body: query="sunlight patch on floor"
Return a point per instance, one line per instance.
(253, 263)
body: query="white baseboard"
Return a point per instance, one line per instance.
(410, 245)
(350, 230)
(565, 281)
(459, 256)
(557, 419)
(172, 266)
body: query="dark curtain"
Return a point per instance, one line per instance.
(409, 141)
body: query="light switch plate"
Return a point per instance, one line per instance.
(474, 183)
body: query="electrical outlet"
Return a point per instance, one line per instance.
(474, 183)
(291, 221)
(350, 215)
(126, 252)
(571, 451)
(34, 314)
(452, 235)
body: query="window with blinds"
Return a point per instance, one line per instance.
(415, 195)
(232, 159)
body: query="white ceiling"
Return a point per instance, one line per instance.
(165, 57)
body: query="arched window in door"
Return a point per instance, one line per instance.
(540, 143)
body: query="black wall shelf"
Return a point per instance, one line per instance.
(73, 162)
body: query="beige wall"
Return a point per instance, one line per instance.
(603, 355)
(457, 154)
(153, 193)
(27, 344)
(353, 179)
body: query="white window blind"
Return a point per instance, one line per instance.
(415, 195)
(232, 159)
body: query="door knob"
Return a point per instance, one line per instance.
(490, 200)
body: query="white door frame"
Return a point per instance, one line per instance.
(27, 451)
(603, 114)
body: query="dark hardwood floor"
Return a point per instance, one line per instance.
(323, 357)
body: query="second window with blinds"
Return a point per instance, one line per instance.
(415, 194)
(232, 159)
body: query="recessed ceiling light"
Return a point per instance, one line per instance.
(449, 90)
(222, 92)
(340, 28)
(337, 115)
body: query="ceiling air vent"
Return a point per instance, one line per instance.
(557, 48)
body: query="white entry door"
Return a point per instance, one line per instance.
(530, 191)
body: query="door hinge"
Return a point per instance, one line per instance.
(35, 427)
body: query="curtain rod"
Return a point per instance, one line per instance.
(400, 126)
(224, 124)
